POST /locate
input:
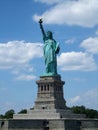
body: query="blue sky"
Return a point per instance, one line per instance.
(74, 24)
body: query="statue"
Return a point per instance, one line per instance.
(51, 48)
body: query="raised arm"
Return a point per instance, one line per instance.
(41, 27)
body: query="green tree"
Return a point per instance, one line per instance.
(23, 111)
(90, 113)
(9, 114)
(1, 116)
(79, 109)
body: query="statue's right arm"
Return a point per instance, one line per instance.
(42, 29)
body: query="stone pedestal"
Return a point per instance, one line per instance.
(50, 111)
(50, 103)
(50, 93)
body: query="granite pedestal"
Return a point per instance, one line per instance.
(50, 102)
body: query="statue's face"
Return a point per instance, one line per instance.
(49, 34)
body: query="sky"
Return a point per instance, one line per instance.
(74, 24)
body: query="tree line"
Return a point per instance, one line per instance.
(9, 114)
(90, 113)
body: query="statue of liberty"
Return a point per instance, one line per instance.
(51, 48)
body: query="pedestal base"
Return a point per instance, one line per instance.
(48, 114)
(57, 124)
(50, 103)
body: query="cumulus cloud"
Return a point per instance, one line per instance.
(25, 77)
(76, 61)
(17, 55)
(88, 99)
(73, 12)
(79, 79)
(80, 60)
(70, 41)
(74, 99)
(90, 45)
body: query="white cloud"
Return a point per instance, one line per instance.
(79, 79)
(88, 99)
(74, 99)
(91, 45)
(81, 12)
(70, 41)
(25, 77)
(17, 55)
(76, 61)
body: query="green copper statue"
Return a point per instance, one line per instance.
(51, 48)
